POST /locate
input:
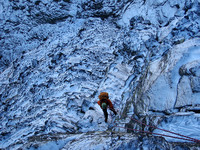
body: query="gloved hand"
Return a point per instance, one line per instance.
(115, 112)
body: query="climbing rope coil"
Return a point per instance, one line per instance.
(179, 136)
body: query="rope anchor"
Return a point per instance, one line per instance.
(182, 137)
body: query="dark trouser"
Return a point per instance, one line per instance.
(105, 114)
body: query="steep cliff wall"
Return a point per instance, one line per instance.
(56, 56)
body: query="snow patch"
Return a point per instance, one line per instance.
(184, 123)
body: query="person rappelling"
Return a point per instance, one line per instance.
(104, 102)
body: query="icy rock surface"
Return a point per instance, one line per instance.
(171, 80)
(56, 57)
(171, 83)
(106, 140)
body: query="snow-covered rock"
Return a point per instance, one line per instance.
(105, 140)
(174, 89)
(56, 57)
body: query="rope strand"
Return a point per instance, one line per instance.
(157, 134)
(182, 137)
(192, 139)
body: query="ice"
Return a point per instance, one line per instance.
(186, 124)
(55, 145)
(74, 60)
(57, 56)
(165, 75)
(147, 11)
(164, 31)
(168, 11)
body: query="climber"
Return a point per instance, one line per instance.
(104, 102)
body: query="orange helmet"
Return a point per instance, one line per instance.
(103, 95)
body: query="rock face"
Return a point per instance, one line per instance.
(173, 79)
(106, 140)
(56, 57)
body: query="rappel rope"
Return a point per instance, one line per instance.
(185, 137)
(182, 137)
(157, 134)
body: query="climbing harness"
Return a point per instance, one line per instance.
(182, 137)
